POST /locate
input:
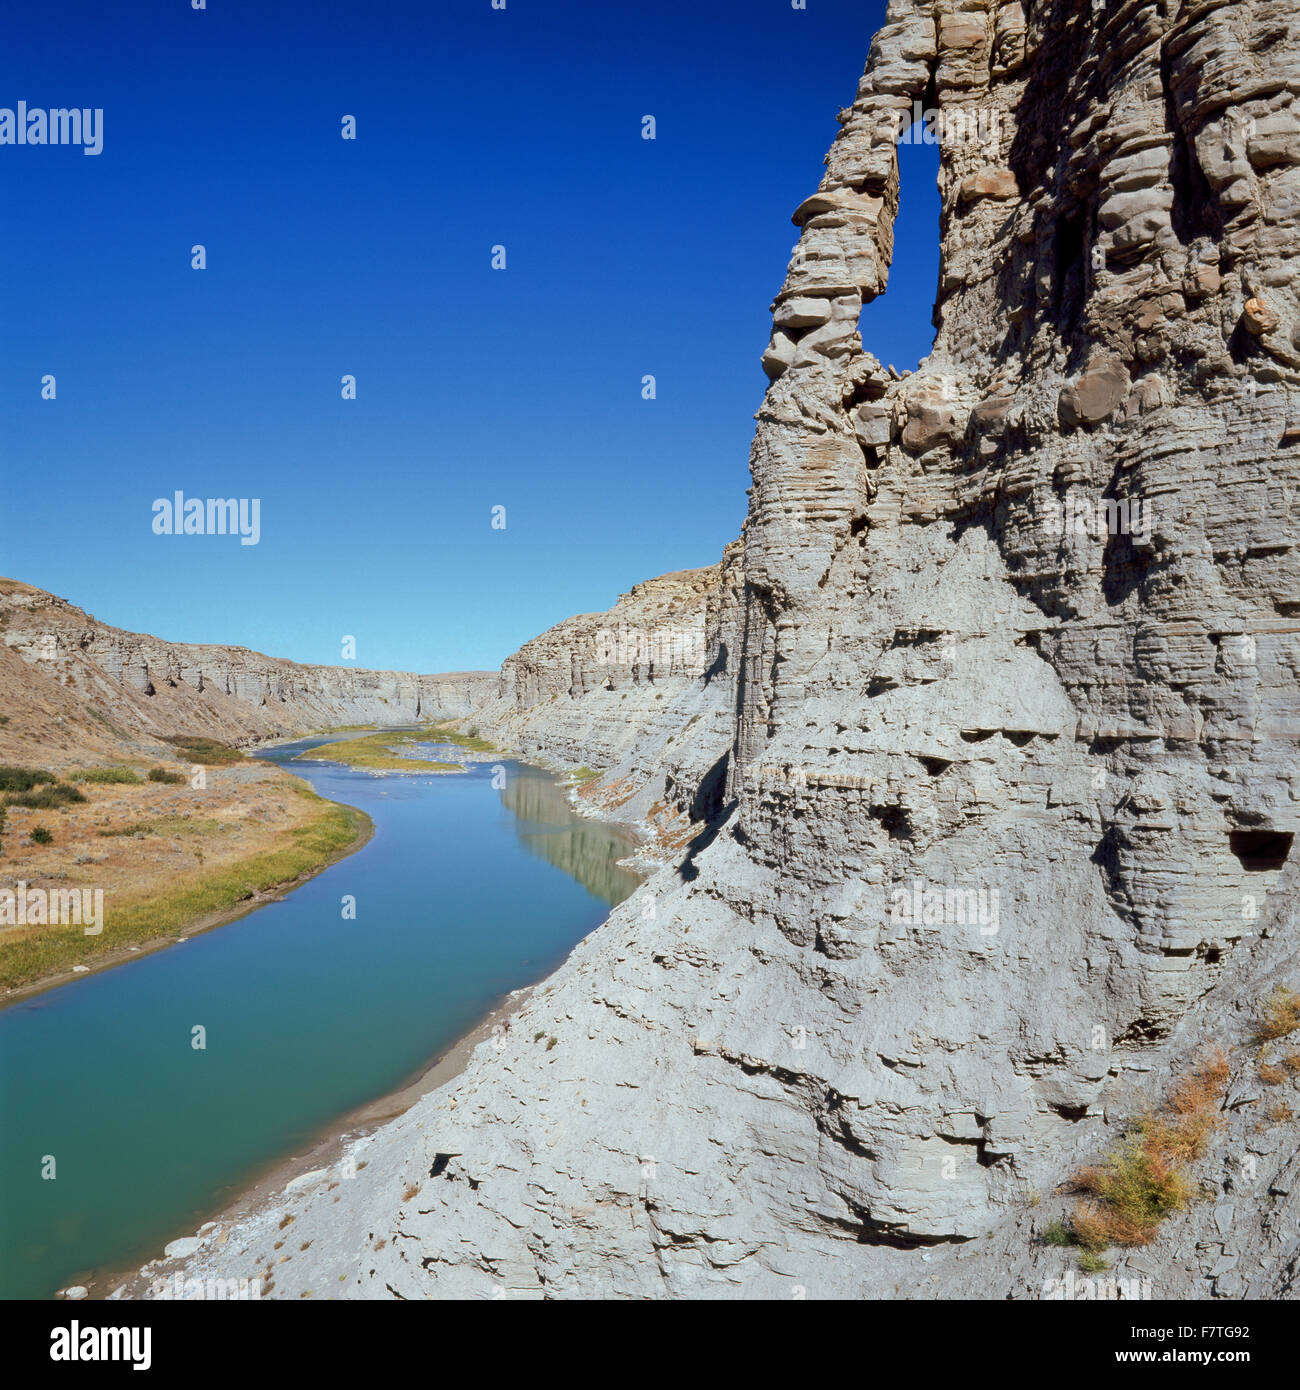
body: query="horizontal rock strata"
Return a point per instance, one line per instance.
(643, 693)
(140, 685)
(1008, 796)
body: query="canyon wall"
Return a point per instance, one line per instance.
(1006, 733)
(644, 693)
(79, 684)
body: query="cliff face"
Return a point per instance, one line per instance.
(962, 668)
(98, 684)
(644, 693)
(1018, 630)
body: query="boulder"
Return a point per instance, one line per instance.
(989, 183)
(802, 312)
(1258, 318)
(1095, 394)
(779, 355)
(933, 418)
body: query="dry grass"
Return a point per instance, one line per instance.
(209, 752)
(193, 856)
(1147, 1177)
(1279, 1015)
(412, 1191)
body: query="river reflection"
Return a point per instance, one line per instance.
(587, 850)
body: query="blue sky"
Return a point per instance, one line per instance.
(476, 387)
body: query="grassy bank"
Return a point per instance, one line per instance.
(191, 894)
(470, 742)
(381, 752)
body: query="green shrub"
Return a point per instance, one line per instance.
(49, 798)
(160, 774)
(1057, 1234)
(205, 750)
(140, 827)
(124, 775)
(41, 836)
(23, 779)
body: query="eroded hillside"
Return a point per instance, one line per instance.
(74, 688)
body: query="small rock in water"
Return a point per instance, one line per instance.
(75, 1292)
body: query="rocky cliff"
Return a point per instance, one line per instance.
(643, 693)
(80, 685)
(1010, 774)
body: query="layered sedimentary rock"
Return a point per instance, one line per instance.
(643, 693)
(131, 683)
(1012, 778)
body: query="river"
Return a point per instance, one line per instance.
(467, 891)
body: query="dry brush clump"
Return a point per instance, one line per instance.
(1279, 1015)
(1148, 1177)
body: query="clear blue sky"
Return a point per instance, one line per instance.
(475, 387)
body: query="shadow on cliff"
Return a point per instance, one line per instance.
(709, 808)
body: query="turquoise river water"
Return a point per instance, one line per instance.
(466, 891)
